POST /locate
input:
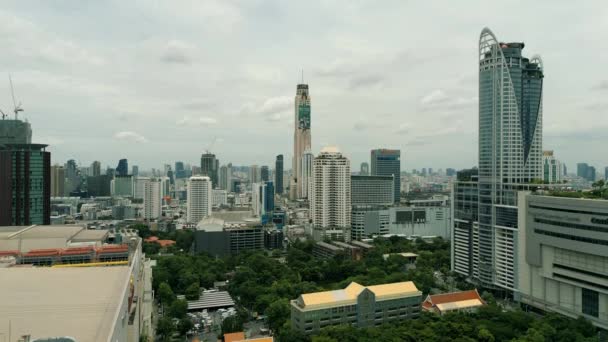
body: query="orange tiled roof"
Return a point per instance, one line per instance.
(454, 297)
(165, 243)
(233, 337)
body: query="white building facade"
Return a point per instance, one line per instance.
(152, 196)
(199, 197)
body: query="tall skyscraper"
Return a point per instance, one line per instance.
(388, 163)
(152, 196)
(586, 171)
(510, 159)
(25, 184)
(302, 136)
(209, 168)
(306, 174)
(123, 167)
(278, 174)
(364, 171)
(180, 171)
(57, 181)
(226, 177)
(72, 177)
(331, 198)
(552, 168)
(199, 197)
(372, 190)
(123, 186)
(255, 175)
(264, 173)
(95, 169)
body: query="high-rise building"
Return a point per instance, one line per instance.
(15, 132)
(95, 169)
(57, 181)
(255, 175)
(586, 171)
(372, 190)
(123, 167)
(226, 177)
(25, 184)
(364, 169)
(73, 179)
(139, 186)
(388, 163)
(484, 245)
(302, 136)
(258, 199)
(199, 198)
(306, 174)
(99, 186)
(264, 173)
(269, 202)
(209, 168)
(278, 174)
(331, 198)
(180, 172)
(552, 168)
(450, 172)
(135, 171)
(123, 186)
(152, 198)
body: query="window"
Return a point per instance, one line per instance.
(590, 302)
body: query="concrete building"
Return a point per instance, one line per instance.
(510, 160)
(357, 305)
(364, 171)
(110, 300)
(331, 197)
(264, 173)
(355, 250)
(123, 168)
(278, 174)
(25, 184)
(152, 196)
(306, 175)
(255, 174)
(57, 181)
(139, 184)
(302, 135)
(123, 186)
(562, 260)
(99, 186)
(226, 177)
(388, 163)
(552, 168)
(199, 197)
(372, 190)
(219, 237)
(220, 198)
(95, 169)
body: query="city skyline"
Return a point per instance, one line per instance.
(362, 81)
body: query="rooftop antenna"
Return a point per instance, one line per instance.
(17, 106)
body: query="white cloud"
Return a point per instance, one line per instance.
(434, 97)
(200, 121)
(130, 136)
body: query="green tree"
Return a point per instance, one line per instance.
(184, 325)
(179, 308)
(193, 291)
(165, 294)
(232, 324)
(165, 328)
(277, 313)
(484, 335)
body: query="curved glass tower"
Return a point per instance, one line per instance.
(510, 159)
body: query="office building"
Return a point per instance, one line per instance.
(355, 250)
(450, 172)
(57, 181)
(302, 136)
(510, 159)
(255, 175)
(372, 190)
(264, 173)
(278, 174)
(331, 198)
(552, 168)
(586, 171)
(269, 201)
(25, 184)
(220, 198)
(226, 177)
(262, 199)
(152, 196)
(139, 185)
(356, 305)
(15, 132)
(388, 163)
(180, 171)
(99, 186)
(209, 168)
(73, 179)
(123, 186)
(199, 198)
(123, 168)
(562, 259)
(364, 171)
(95, 169)
(306, 176)
(135, 171)
(218, 237)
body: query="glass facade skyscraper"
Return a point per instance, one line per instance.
(510, 159)
(388, 163)
(278, 174)
(123, 168)
(210, 168)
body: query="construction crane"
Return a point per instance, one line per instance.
(211, 145)
(17, 106)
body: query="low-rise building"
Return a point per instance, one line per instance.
(455, 301)
(563, 256)
(219, 238)
(354, 250)
(356, 305)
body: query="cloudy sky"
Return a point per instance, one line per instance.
(158, 81)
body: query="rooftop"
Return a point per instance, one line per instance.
(349, 295)
(79, 302)
(453, 301)
(26, 238)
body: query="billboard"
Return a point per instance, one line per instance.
(304, 116)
